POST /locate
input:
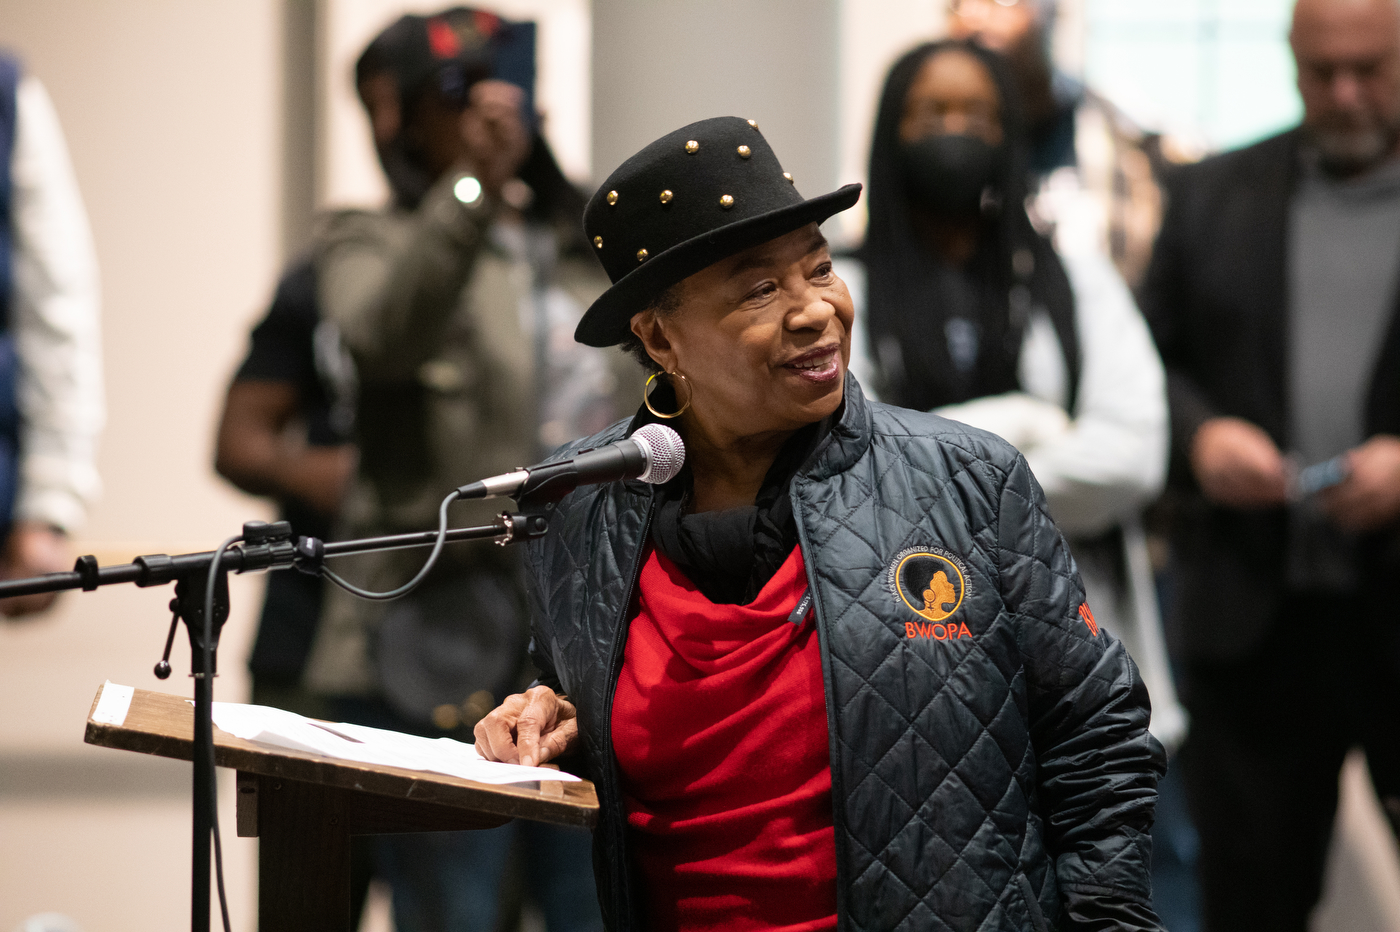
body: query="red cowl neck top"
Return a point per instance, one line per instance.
(719, 726)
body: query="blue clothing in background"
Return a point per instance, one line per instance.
(9, 363)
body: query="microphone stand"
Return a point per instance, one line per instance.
(263, 546)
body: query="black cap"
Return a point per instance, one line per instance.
(450, 50)
(688, 200)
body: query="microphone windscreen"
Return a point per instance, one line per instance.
(664, 451)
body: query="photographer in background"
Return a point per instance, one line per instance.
(457, 304)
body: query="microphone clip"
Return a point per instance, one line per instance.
(529, 525)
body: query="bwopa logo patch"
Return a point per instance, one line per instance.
(931, 583)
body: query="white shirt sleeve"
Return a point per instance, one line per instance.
(55, 321)
(1113, 458)
(1101, 467)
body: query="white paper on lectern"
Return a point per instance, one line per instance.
(113, 704)
(279, 728)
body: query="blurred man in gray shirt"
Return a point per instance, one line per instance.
(1273, 297)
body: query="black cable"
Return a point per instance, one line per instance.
(210, 584)
(213, 789)
(218, 843)
(413, 583)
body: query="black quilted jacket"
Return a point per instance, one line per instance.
(991, 772)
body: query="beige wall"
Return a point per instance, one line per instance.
(170, 109)
(170, 113)
(660, 64)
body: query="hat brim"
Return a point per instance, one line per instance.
(608, 320)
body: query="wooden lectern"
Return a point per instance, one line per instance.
(303, 808)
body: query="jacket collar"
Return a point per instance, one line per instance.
(848, 439)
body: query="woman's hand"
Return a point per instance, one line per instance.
(528, 729)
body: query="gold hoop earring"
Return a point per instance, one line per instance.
(689, 394)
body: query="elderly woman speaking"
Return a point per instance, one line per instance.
(838, 673)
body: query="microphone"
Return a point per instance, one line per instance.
(654, 454)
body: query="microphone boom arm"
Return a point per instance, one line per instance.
(277, 553)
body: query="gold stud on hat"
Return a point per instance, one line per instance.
(666, 196)
(597, 242)
(745, 152)
(788, 176)
(641, 255)
(726, 201)
(753, 123)
(612, 198)
(692, 147)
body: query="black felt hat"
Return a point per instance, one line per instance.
(688, 200)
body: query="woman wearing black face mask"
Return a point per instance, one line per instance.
(971, 312)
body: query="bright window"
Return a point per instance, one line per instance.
(1215, 72)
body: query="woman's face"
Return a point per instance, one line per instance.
(763, 337)
(953, 94)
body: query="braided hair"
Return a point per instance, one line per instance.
(943, 335)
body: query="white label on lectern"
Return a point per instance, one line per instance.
(111, 708)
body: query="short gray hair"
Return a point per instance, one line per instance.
(664, 305)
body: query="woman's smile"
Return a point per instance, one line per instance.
(820, 365)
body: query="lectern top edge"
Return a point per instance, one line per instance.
(163, 724)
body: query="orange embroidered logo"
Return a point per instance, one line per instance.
(932, 584)
(1088, 617)
(914, 629)
(938, 596)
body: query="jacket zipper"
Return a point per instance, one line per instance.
(838, 793)
(614, 793)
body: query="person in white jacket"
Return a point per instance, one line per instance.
(965, 309)
(51, 304)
